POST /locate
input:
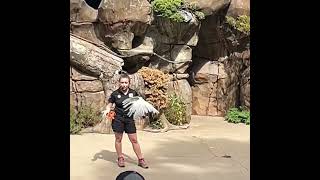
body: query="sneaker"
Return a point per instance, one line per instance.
(121, 162)
(142, 163)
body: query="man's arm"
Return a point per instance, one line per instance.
(108, 107)
(110, 104)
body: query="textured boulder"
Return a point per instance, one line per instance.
(245, 89)
(86, 90)
(124, 19)
(86, 31)
(173, 41)
(216, 85)
(80, 11)
(92, 59)
(180, 54)
(210, 6)
(211, 45)
(204, 94)
(239, 7)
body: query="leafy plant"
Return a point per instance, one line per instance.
(235, 115)
(176, 110)
(241, 23)
(156, 124)
(85, 117)
(170, 9)
(200, 15)
(75, 127)
(88, 116)
(177, 17)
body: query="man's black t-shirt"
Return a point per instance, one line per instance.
(118, 97)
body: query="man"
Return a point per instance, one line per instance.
(122, 122)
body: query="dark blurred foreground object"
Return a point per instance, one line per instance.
(130, 175)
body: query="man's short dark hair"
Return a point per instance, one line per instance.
(130, 175)
(124, 75)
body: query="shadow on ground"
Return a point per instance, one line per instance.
(192, 158)
(205, 157)
(111, 157)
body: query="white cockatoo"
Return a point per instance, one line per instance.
(138, 107)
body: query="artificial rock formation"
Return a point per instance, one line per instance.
(86, 90)
(220, 85)
(239, 7)
(173, 41)
(210, 7)
(123, 20)
(203, 66)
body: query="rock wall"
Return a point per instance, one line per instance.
(122, 20)
(86, 90)
(245, 81)
(220, 85)
(208, 82)
(220, 70)
(173, 41)
(239, 7)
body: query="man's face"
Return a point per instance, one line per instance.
(124, 84)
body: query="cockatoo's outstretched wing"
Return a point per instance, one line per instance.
(129, 101)
(138, 107)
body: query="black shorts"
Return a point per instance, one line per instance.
(123, 124)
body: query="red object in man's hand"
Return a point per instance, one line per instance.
(111, 115)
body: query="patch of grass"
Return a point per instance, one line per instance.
(85, 117)
(75, 127)
(235, 115)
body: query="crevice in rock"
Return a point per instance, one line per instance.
(77, 101)
(88, 91)
(84, 80)
(93, 3)
(137, 41)
(133, 64)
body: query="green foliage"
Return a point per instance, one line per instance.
(200, 15)
(235, 115)
(176, 110)
(74, 125)
(85, 117)
(176, 17)
(242, 23)
(156, 124)
(169, 9)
